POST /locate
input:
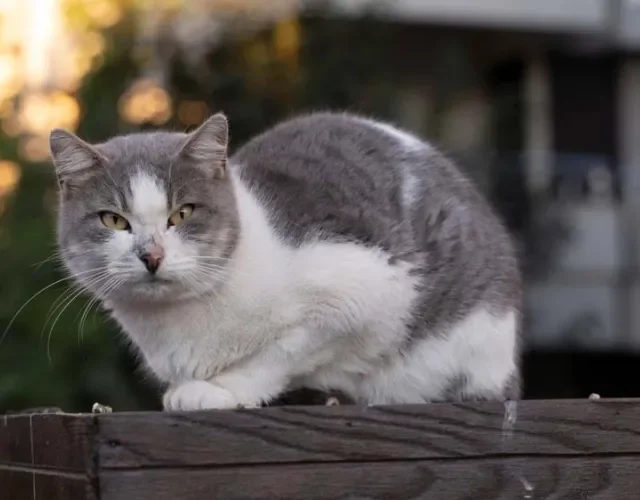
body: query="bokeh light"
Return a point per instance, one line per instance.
(145, 102)
(9, 177)
(40, 112)
(193, 112)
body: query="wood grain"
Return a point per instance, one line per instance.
(47, 440)
(564, 449)
(38, 484)
(604, 478)
(47, 457)
(338, 434)
(15, 439)
(63, 442)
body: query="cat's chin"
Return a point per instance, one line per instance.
(158, 290)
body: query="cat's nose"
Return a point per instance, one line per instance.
(152, 258)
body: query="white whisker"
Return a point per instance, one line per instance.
(100, 295)
(69, 292)
(6, 330)
(77, 294)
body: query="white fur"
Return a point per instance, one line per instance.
(148, 215)
(149, 200)
(410, 187)
(481, 345)
(323, 315)
(410, 143)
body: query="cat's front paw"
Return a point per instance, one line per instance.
(198, 395)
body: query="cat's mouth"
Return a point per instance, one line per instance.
(154, 278)
(153, 285)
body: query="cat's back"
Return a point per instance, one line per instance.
(329, 175)
(445, 289)
(341, 176)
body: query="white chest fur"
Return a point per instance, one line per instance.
(345, 291)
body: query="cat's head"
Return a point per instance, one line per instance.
(148, 217)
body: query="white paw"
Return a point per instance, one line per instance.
(198, 395)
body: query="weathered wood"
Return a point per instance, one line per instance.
(328, 434)
(483, 479)
(32, 484)
(47, 457)
(564, 449)
(47, 440)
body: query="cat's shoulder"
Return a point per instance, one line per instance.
(338, 128)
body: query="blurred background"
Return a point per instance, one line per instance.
(539, 101)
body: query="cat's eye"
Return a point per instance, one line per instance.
(114, 221)
(184, 212)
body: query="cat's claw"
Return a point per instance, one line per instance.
(199, 395)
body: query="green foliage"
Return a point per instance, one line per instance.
(46, 358)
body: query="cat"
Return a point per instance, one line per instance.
(331, 252)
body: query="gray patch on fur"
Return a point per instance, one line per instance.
(335, 177)
(327, 176)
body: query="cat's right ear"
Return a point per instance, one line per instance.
(74, 159)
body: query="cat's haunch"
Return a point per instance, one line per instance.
(331, 252)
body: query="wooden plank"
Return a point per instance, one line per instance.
(47, 440)
(37, 484)
(337, 434)
(64, 441)
(593, 478)
(47, 457)
(16, 485)
(565, 449)
(15, 439)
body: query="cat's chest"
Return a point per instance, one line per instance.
(197, 341)
(342, 288)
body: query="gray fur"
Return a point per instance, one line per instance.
(169, 157)
(323, 176)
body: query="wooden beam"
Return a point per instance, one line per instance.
(444, 451)
(483, 479)
(329, 434)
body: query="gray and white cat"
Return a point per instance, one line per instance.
(332, 252)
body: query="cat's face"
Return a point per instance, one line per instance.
(146, 217)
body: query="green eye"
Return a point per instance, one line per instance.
(184, 212)
(114, 221)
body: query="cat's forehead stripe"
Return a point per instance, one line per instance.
(148, 196)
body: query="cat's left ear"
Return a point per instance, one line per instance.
(207, 145)
(74, 159)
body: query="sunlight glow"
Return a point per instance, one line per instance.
(48, 47)
(9, 177)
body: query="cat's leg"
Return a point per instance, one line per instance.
(249, 384)
(474, 360)
(259, 379)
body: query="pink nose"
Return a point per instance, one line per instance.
(152, 258)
